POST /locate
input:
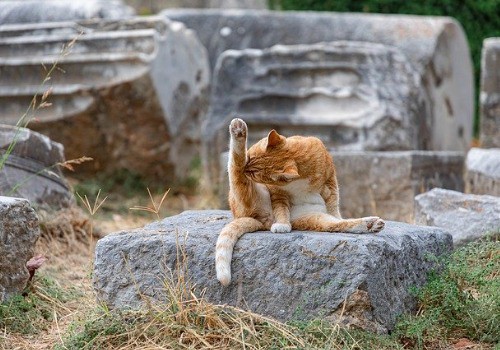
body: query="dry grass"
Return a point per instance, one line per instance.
(186, 321)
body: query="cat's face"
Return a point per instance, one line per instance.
(269, 161)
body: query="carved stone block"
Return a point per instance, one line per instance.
(490, 94)
(131, 93)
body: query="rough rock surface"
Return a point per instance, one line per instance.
(154, 6)
(29, 11)
(385, 183)
(132, 95)
(18, 234)
(490, 94)
(30, 170)
(466, 216)
(435, 46)
(301, 275)
(483, 171)
(352, 95)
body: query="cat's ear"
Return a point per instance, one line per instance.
(274, 139)
(290, 173)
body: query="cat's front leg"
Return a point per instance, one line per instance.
(280, 202)
(238, 144)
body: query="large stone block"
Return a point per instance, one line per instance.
(490, 93)
(301, 275)
(466, 216)
(352, 95)
(29, 11)
(483, 171)
(385, 183)
(154, 6)
(133, 93)
(436, 80)
(18, 234)
(31, 169)
(435, 46)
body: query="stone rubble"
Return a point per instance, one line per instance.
(133, 94)
(19, 232)
(482, 174)
(467, 217)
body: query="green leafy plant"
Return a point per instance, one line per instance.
(35, 309)
(461, 301)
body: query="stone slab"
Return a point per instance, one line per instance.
(435, 46)
(483, 171)
(18, 234)
(490, 94)
(301, 275)
(466, 216)
(30, 11)
(139, 86)
(30, 170)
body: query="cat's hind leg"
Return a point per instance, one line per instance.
(327, 223)
(330, 194)
(225, 244)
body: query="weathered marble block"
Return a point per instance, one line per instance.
(436, 47)
(440, 95)
(18, 234)
(482, 174)
(132, 95)
(30, 11)
(30, 171)
(490, 94)
(466, 216)
(384, 183)
(295, 276)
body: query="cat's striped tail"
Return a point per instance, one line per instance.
(225, 244)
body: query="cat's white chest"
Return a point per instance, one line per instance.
(303, 199)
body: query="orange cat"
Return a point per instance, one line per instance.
(281, 184)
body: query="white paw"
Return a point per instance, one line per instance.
(238, 128)
(281, 228)
(374, 224)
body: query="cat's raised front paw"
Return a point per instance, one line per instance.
(374, 224)
(238, 128)
(281, 228)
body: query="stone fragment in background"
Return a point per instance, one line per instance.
(435, 47)
(30, 171)
(31, 11)
(482, 173)
(18, 234)
(132, 96)
(490, 94)
(386, 183)
(466, 216)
